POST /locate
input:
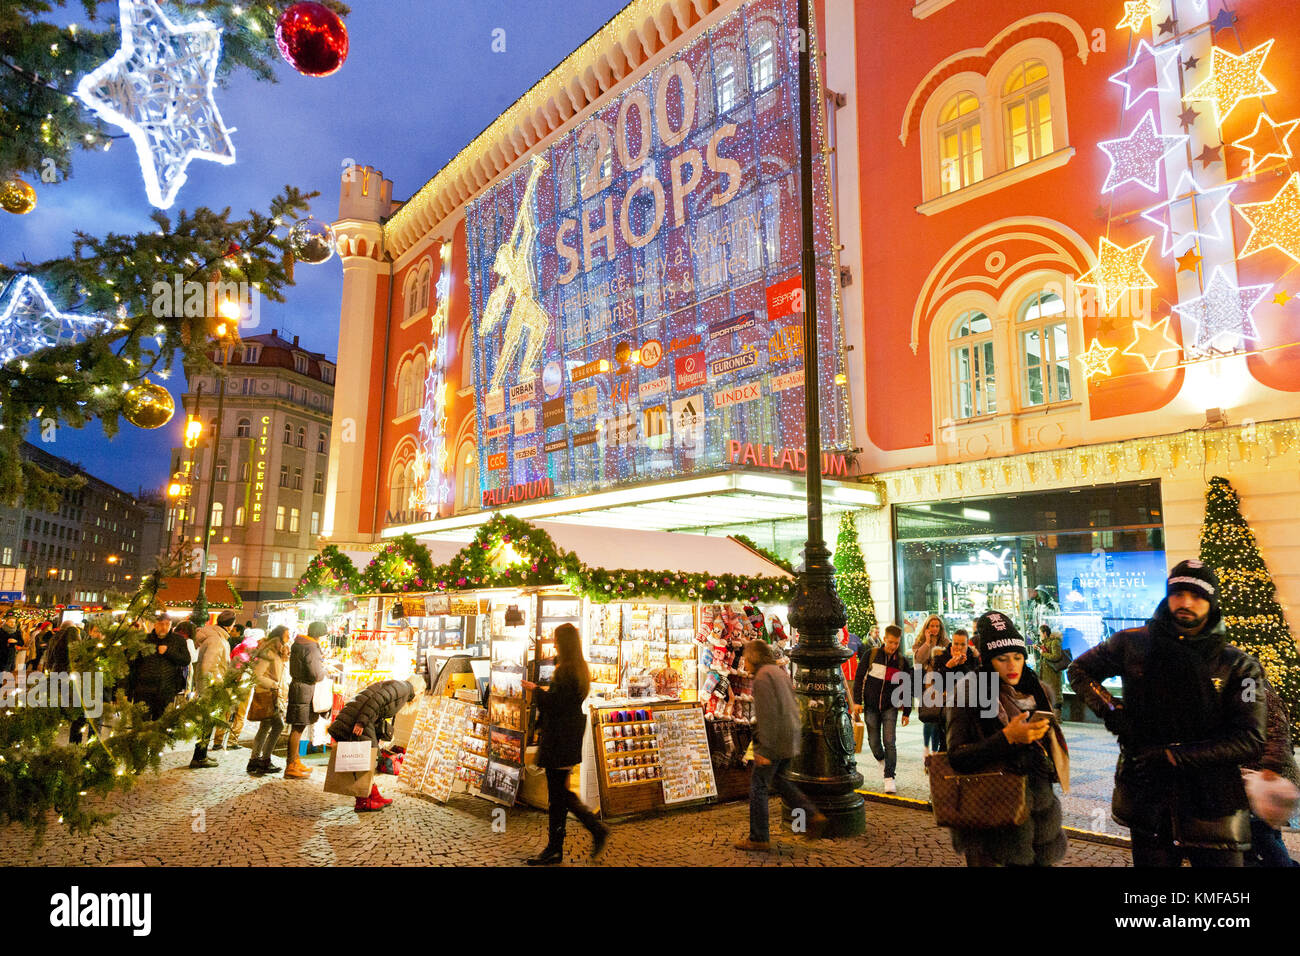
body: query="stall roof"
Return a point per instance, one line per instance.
(690, 504)
(440, 551)
(656, 551)
(181, 592)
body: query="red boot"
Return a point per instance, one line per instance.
(366, 805)
(378, 798)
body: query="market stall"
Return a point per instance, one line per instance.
(663, 647)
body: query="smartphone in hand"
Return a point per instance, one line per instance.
(1038, 716)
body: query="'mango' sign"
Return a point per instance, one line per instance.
(668, 217)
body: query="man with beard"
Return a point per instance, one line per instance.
(1193, 712)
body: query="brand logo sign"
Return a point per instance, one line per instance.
(559, 444)
(686, 342)
(529, 451)
(785, 298)
(500, 431)
(691, 371)
(553, 413)
(496, 462)
(525, 421)
(651, 353)
(494, 403)
(740, 323)
(585, 438)
(584, 402)
(589, 370)
(259, 472)
(732, 363)
(523, 393)
(789, 380)
(781, 459)
(552, 380)
(527, 491)
(653, 387)
(748, 392)
(785, 345)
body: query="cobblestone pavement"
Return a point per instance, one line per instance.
(222, 817)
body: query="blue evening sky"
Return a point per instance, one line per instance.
(421, 80)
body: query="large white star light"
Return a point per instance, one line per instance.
(29, 321)
(1137, 157)
(159, 88)
(1223, 311)
(1148, 62)
(1208, 204)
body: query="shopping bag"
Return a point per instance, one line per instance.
(318, 732)
(354, 755)
(322, 697)
(859, 729)
(404, 723)
(351, 784)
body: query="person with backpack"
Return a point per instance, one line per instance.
(873, 696)
(776, 742)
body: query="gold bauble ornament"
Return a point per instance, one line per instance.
(148, 405)
(17, 196)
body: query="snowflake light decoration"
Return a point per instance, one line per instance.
(1233, 79)
(29, 322)
(1117, 272)
(1208, 225)
(1146, 62)
(1274, 224)
(1137, 157)
(1223, 311)
(159, 88)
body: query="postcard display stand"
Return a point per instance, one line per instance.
(652, 756)
(447, 752)
(651, 639)
(507, 711)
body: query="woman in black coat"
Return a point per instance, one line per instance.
(369, 716)
(562, 728)
(1008, 741)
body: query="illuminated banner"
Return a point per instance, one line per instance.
(649, 260)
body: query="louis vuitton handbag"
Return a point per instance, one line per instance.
(975, 801)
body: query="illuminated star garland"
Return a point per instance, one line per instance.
(1274, 224)
(1146, 59)
(433, 413)
(1118, 271)
(1264, 144)
(159, 88)
(1150, 342)
(1136, 13)
(1233, 79)
(1138, 157)
(29, 322)
(1096, 361)
(1224, 310)
(1188, 190)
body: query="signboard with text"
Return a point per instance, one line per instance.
(636, 290)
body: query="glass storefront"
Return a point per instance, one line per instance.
(1087, 562)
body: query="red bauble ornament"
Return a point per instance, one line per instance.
(312, 38)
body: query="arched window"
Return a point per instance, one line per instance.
(321, 440)
(1044, 338)
(239, 516)
(762, 56)
(404, 388)
(468, 480)
(244, 428)
(961, 143)
(302, 437)
(1027, 113)
(288, 434)
(426, 280)
(725, 85)
(419, 373)
(218, 513)
(400, 487)
(971, 365)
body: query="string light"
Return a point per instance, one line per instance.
(159, 88)
(1274, 224)
(1223, 311)
(1138, 157)
(29, 322)
(1118, 271)
(1233, 79)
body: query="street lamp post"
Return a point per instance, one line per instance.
(200, 613)
(825, 768)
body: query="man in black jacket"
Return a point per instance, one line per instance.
(11, 638)
(156, 676)
(1192, 714)
(874, 691)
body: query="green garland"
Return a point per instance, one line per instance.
(405, 566)
(772, 556)
(329, 573)
(41, 778)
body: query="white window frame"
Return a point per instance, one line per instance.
(963, 122)
(978, 345)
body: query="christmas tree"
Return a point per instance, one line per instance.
(851, 579)
(1254, 619)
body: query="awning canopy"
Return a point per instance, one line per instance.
(182, 592)
(660, 551)
(692, 504)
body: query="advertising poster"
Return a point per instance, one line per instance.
(1107, 591)
(652, 255)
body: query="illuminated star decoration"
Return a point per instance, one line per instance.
(1268, 140)
(159, 88)
(433, 413)
(1224, 310)
(1136, 13)
(1150, 342)
(1207, 226)
(1188, 261)
(1145, 63)
(1117, 272)
(1274, 224)
(1137, 158)
(1096, 361)
(1233, 79)
(29, 322)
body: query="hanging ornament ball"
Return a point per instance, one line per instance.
(311, 241)
(17, 196)
(312, 38)
(148, 405)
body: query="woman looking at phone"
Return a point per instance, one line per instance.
(1015, 739)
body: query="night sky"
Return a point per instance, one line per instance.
(421, 80)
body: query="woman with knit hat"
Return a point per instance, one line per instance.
(1008, 740)
(306, 670)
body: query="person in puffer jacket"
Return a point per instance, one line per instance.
(369, 716)
(213, 641)
(306, 670)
